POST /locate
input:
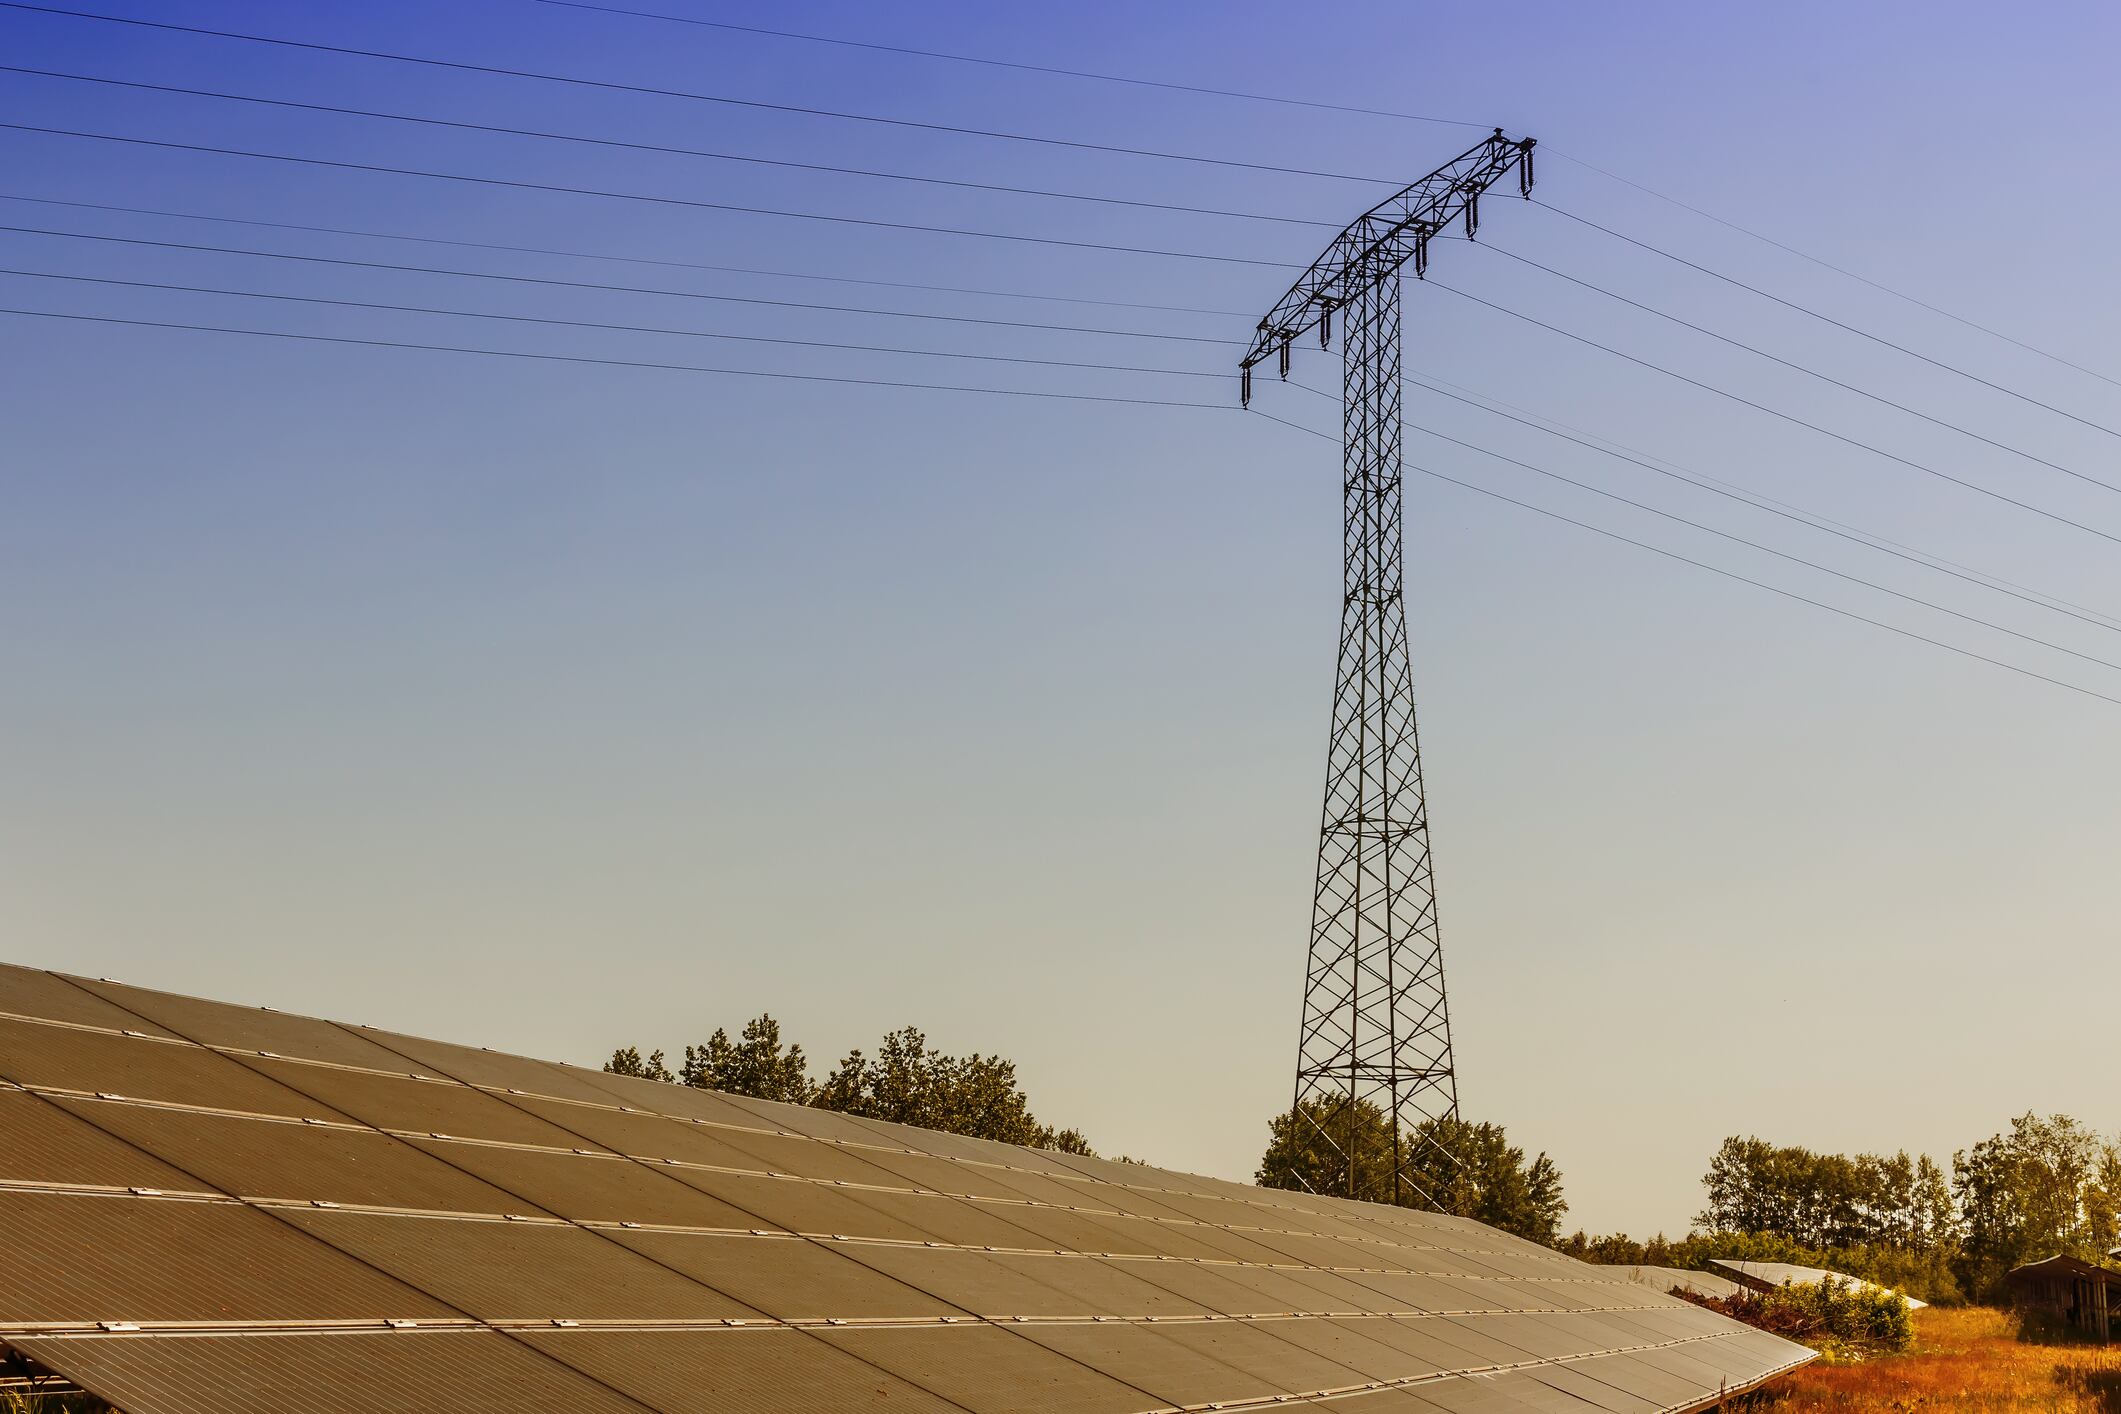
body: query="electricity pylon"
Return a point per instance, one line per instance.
(1376, 1020)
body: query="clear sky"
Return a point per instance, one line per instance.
(555, 706)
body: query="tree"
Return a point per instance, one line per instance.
(1932, 1219)
(755, 1066)
(629, 1062)
(1474, 1171)
(1313, 1147)
(1926, 1276)
(2102, 1201)
(1827, 1200)
(2037, 1191)
(1453, 1165)
(910, 1082)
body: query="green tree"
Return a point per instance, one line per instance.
(1474, 1171)
(1313, 1147)
(2031, 1193)
(1453, 1165)
(757, 1065)
(908, 1081)
(2102, 1201)
(628, 1062)
(1933, 1223)
(1828, 1200)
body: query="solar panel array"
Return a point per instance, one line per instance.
(1766, 1276)
(1668, 1278)
(211, 1209)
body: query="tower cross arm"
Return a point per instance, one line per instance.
(1378, 242)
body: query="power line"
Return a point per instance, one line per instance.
(1729, 574)
(1741, 540)
(1829, 265)
(1786, 417)
(1021, 67)
(638, 196)
(1801, 368)
(616, 328)
(662, 148)
(602, 362)
(1764, 549)
(1344, 108)
(1825, 318)
(1002, 392)
(1795, 514)
(612, 86)
(606, 255)
(613, 289)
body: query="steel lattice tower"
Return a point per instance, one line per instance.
(1376, 1018)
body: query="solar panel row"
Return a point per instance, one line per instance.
(1680, 1278)
(209, 1207)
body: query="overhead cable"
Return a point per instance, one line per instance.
(1012, 393)
(1795, 514)
(615, 289)
(1741, 540)
(1763, 549)
(616, 328)
(1974, 486)
(729, 27)
(649, 90)
(1727, 574)
(1824, 318)
(1758, 352)
(601, 362)
(651, 198)
(610, 256)
(1842, 271)
(1295, 102)
(544, 135)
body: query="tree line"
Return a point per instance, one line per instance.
(907, 1081)
(1468, 1169)
(2048, 1185)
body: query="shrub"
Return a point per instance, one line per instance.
(1841, 1320)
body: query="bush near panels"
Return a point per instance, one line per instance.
(1840, 1320)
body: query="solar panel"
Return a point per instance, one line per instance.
(207, 1207)
(1766, 1276)
(1667, 1278)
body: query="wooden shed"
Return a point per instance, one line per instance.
(2081, 1294)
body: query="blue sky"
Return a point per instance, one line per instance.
(557, 706)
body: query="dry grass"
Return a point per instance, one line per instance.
(1968, 1358)
(15, 1402)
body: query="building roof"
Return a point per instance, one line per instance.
(2063, 1266)
(1766, 1276)
(206, 1207)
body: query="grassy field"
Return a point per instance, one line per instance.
(1967, 1358)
